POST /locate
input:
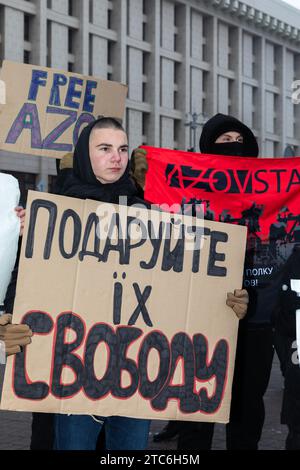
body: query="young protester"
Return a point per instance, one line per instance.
(101, 172)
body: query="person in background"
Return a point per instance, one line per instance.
(64, 170)
(222, 135)
(13, 336)
(285, 340)
(226, 135)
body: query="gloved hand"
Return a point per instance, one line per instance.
(14, 336)
(238, 302)
(5, 319)
(139, 166)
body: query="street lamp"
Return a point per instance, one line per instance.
(193, 124)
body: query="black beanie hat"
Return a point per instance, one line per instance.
(220, 124)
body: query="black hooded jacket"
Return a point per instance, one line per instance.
(220, 124)
(289, 302)
(263, 299)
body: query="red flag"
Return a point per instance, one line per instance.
(234, 189)
(260, 193)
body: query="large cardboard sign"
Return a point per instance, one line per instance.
(127, 306)
(45, 109)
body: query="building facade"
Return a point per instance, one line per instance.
(178, 58)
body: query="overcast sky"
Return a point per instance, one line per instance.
(294, 3)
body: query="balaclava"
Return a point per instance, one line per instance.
(220, 124)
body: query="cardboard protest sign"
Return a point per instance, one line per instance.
(45, 109)
(128, 311)
(259, 193)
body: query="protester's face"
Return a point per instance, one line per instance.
(108, 154)
(230, 136)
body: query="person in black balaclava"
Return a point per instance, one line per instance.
(226, 135)
(221, 135)
(286, 348)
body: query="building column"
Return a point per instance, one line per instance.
(120, 25)
(184, 82)
(237, 106)
(82, 39)
(262, 97)
(39, 56)
(281, 113)
(154, 77)
(39, 34)
(213, 81)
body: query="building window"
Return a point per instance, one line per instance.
(145, 31)
(109, 18)
(91, 54)
(91, 15)
(145, 63)
(27, 21)
(71, 40)
(255, 108)
(110, 46)
(145, 5)
(277, 65)
(145, 127)
(231, 100)
(144, 92)
(70, 8)
(177, 126)
(295, 126)
(276, 122)
(51, 183)
(145, 68)
(232, 48)
(206, 31)
(49, 43)
(26, 57)
(177, 19)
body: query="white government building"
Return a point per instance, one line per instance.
(178, 58)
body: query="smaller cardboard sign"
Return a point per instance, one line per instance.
(43, 110)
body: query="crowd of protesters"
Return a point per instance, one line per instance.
(100, 169)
